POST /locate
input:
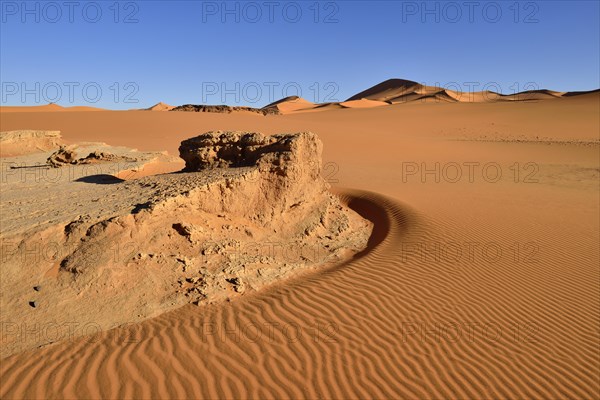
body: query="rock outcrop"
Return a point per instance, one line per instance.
(64, 156)
(223, 109)
(287, 169)
(219, 149)
(248, 211)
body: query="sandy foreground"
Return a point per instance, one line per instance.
(480, 278)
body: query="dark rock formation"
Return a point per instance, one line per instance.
(224, 109)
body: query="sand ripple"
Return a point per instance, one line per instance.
(387, 324)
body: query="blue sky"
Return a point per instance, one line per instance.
(132, 54)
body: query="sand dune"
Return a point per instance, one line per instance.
(580, 93)
(290, 104)
(409, 317)
(403, 91)
(161, 107)
(363, 103)
(387, 90)
(426, 97)
(391, 91)
(52, 107)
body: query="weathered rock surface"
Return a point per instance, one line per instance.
(13, 143)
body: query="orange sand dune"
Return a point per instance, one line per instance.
(291, 104)
(388, 90)
(403, 91)
(474, 285)
(161, 107)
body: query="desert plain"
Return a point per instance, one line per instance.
(452, 249)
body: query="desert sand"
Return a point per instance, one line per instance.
(479, 278)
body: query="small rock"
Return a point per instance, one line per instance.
(61, 157)
(37, 288)
(33, 304)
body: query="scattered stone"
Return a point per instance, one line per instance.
(37, 288)
(33, 304)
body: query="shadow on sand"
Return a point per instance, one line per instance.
(100, 179)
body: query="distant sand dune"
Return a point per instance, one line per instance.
(290, 104)
(387, 90)
(161, 107)
(52, 107)
(403, 91)
(391, 91)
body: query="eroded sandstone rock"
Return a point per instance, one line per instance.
(287, 171)
(250, 210)
(227, 149)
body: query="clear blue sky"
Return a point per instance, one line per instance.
(247, 53)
